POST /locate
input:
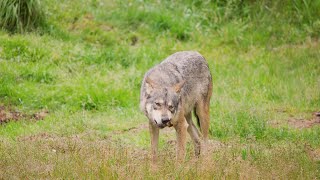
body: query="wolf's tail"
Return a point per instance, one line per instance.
(197, 117)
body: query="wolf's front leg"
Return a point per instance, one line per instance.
(154, 134)
(181, 131)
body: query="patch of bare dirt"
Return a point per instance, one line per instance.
(305, 123)
(40, 115)
(299, 123)
(313, 154)
(7, 114)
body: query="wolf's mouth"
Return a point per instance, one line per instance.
(159, 125)
(168, 124)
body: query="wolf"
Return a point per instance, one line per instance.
(170, 92)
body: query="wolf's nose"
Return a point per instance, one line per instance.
(165, 120)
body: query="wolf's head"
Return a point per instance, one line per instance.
(162, 102)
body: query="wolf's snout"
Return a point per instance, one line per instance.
(165, 120)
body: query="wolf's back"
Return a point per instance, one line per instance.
(185, 65)
(189, 64)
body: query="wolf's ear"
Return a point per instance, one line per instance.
(177, 87)
(150, 85)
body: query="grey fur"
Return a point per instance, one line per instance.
(179, 84)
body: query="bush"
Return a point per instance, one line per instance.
(20, 15)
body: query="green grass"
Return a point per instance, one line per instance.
(86, 65)
(21, 15)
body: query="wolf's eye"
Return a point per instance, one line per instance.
(171, 108)
(158, 104)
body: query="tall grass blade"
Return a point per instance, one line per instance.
(20, 15)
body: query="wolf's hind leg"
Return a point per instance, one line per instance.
(202, 111)
(194, 134)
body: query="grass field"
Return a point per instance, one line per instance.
(81, 73)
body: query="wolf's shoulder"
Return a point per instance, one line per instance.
(184, 57)
(178, 66)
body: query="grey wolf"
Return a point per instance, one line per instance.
(170, 91)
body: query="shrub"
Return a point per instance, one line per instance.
(20, 15)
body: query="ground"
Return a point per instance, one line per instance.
(69, 92)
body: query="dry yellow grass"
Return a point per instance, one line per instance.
(85, 156)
